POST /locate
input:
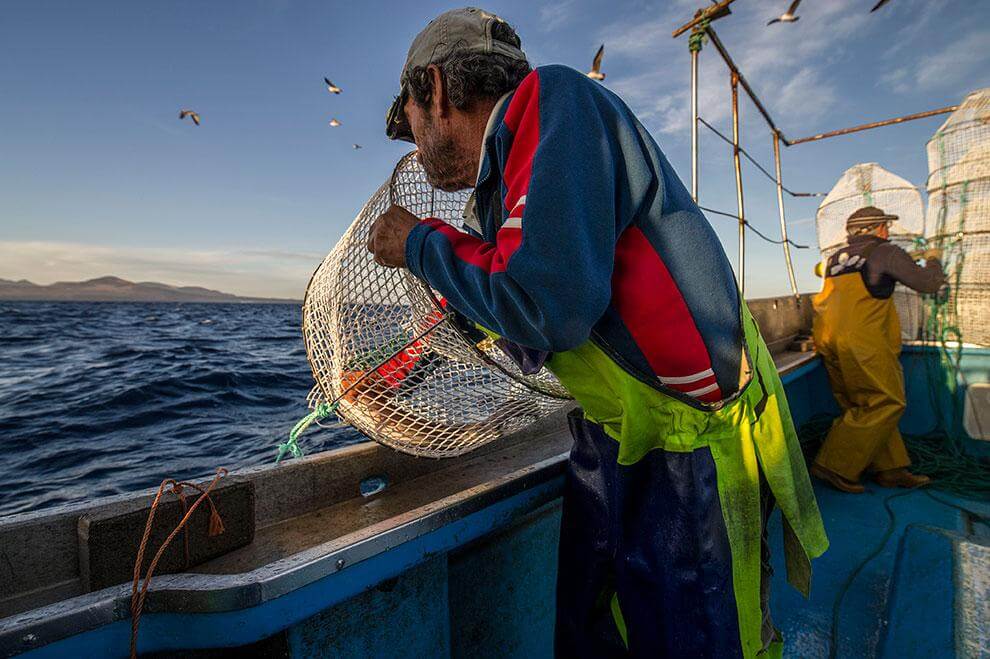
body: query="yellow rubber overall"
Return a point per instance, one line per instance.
(859, 339)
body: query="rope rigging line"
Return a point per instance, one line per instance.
(754, 229)
(757, 164)
(139, 586)
(698, 36)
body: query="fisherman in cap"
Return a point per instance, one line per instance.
(584, 253)
(858, 336)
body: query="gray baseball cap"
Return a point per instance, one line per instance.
(464, 30)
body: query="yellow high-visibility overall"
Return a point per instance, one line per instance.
(859, 339)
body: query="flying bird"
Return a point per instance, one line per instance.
(189, 113)
(334, 122)
(788, 16)
(332, 88)
(357, 146)
(596, 66)
(878, 5)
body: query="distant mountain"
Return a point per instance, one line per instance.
(115, 289)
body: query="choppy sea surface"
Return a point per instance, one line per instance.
(103, 398)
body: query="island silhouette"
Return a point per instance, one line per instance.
(115, 289)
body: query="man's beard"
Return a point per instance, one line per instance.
(445, 165)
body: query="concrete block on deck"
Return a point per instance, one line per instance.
(109, 538)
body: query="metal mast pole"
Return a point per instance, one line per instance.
(737, 165)
(780, 208)
(694, 124)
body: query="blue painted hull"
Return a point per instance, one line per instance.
(482, 585)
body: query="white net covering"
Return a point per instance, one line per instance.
(387, 346)
(958, 218)
(869, 184)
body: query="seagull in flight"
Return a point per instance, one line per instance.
(357, 146)
(189, 113)
(332, 88)
(788, 16)
(334, 122)
(596, 66)
(878, 5)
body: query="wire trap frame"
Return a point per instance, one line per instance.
(391, 358)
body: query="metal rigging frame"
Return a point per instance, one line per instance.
(701, 28)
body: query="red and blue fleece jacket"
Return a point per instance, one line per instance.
(587, 233)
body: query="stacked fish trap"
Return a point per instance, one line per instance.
(393, 356)
(869, 184)
(959, 218)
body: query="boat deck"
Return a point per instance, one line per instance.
(458, 558)
(856, 526)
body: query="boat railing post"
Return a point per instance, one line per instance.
(780, 207)
(737, 165)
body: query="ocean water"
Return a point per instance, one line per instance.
(103, 398)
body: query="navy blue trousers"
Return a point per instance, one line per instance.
(653, 535)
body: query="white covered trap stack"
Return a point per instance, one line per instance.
(869, 184)
(959, 214)
(388, 349)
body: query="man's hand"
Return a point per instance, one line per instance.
(926, 254)
(932, 253)
(387, 238)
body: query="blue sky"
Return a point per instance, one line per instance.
(98, 175)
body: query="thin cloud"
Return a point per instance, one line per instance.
(791, 62)
(898, 80)
(555, 15)
(958, 61)
(923, 14)
(261, 273)
(637, 39)
(964, 59)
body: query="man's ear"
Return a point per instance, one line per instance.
(438, 98)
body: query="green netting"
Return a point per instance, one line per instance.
(958, 222)
(936, 455)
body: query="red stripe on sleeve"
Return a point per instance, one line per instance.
(522, 117)
(509, 239)
(656, 315)
(490, 257)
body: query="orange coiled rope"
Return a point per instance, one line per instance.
(138, 594)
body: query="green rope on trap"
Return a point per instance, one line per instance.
(941, 327)
(322, 411)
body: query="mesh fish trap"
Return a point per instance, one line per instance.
(959, 214)
(392, 355)
(869, 184)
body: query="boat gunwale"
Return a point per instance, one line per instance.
(197, 592)
(190, 592)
